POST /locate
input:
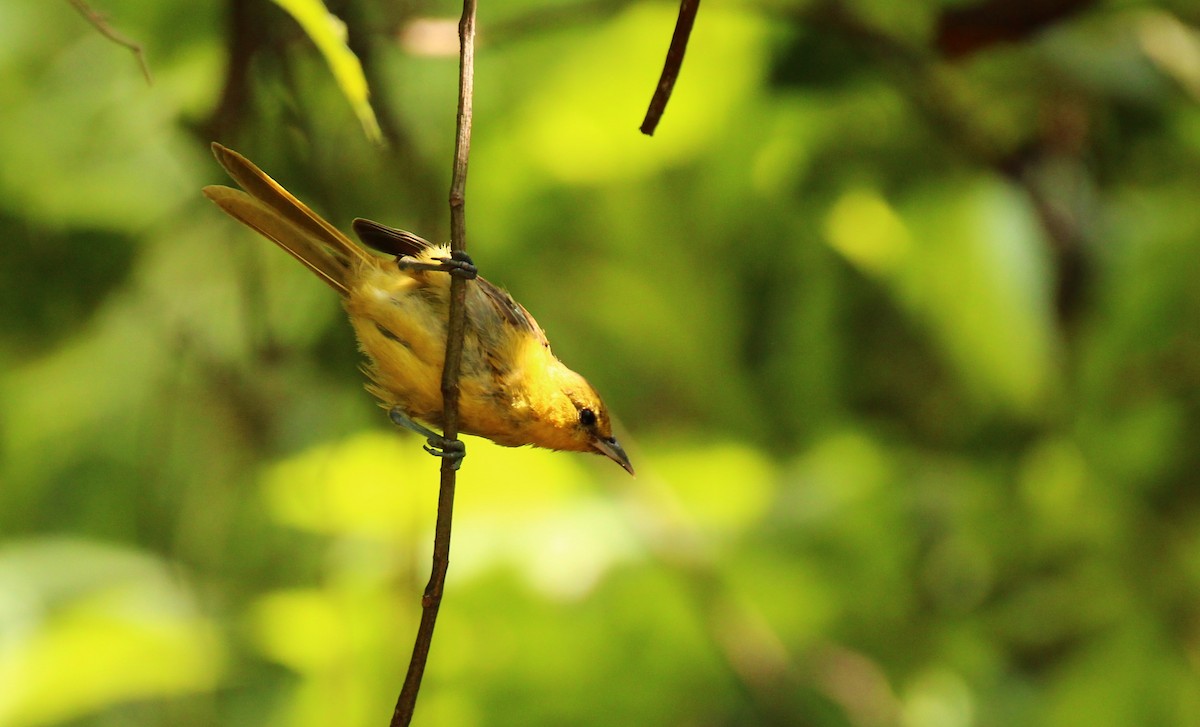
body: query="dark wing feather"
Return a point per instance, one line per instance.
(389, 240)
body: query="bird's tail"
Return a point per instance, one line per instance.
(274, 213)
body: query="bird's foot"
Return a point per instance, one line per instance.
(451, 450)
(439, 446)
(458, 263)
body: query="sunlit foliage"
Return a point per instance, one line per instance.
(899, 314)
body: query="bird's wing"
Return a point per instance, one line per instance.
(389, 240)
(512, 312)
(400, 243)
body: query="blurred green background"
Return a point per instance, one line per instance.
(899, 309)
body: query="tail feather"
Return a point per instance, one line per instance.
(273, 212)
(267, 222)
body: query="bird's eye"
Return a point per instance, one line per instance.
(587, 417)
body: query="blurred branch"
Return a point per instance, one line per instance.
(432, 599)
(252, 28)
(405, 165)
(965, 30)
(932, 88)
(936, 90)
(670, 72)
(550, 18)
(100, 23)
(246, 33)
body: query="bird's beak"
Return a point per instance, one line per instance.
(609, 448)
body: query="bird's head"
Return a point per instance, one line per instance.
(573, 417)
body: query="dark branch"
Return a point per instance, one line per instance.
(670, 72)
(432, 599)
(246, 34)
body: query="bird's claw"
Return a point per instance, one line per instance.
(451, 450)
(458, 263)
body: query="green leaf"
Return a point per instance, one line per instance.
(329, 34)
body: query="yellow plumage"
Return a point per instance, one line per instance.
(514, 391)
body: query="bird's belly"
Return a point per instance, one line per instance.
(401, 328)
(405, 341)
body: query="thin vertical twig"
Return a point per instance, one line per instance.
(456, 325)
(670, 71)
(99, 22)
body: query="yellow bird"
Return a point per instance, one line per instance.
(514, 391)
